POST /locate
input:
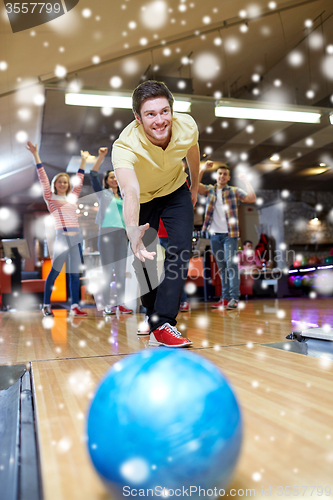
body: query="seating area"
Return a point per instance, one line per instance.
(206, 275)
(31, 285)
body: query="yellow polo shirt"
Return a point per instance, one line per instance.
(159, 172)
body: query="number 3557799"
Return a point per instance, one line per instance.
(31, 7)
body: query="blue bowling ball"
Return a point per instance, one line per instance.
(298, 281)
(164, 419)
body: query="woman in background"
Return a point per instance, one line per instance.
(112, 238)
(61, 203)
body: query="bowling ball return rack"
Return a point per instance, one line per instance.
(315, 342)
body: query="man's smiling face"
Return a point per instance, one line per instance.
(223, 177)
(156, 119)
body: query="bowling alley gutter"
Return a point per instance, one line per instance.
(20, 465)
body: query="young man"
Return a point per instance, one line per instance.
(221, 219)
(147, 159)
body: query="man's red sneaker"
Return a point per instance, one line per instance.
(77, 311)
(168, 336)
(220, 305)
(124, 310)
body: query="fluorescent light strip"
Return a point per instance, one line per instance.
(182, 106)
(267, 114)
(99, 101)
(114, 101)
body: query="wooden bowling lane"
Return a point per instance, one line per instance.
(27, 336)
(287, 406)
(63, 389)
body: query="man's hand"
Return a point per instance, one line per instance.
(194, 195)
(242, 176)
(102, 152)
(251, 196)
(135, 234)
(208, 164)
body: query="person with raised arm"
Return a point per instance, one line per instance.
(112, 238)
(221, 220)
(61, 203)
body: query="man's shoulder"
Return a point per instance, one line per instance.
(210, 187)
(125, 148)
(129, 136)
(237, 191)
(185, 130)
(184, 119)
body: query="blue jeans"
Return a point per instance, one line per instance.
(71, 246)
(225, 249)
(176, 211)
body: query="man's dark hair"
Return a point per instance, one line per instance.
(247, 241)
(150, 90)
(224, 166)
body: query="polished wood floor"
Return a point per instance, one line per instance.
(286, 398)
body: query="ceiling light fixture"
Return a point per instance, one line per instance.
(114, 101)
(315, 222)
(254, 110)
(312, 171)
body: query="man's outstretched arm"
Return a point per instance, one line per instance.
(202, 188)
(130, 190)
(251, 195)
(193, 160)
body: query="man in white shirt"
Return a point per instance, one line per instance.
(221, 219)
